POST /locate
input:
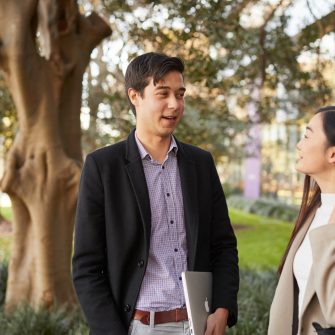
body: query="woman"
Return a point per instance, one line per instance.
(306, 289)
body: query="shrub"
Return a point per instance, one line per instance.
(265, 207)
(26, 321)
(230, 191)
(3, 281)
(255, 297)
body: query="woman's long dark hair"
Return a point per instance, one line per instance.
(311, 198)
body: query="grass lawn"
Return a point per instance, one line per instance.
(261, 240)
(6, 212)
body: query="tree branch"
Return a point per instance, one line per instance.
(316, 30)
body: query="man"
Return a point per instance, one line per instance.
(149, 208)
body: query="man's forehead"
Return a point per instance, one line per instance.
(163, 83)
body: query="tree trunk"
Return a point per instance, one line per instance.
(43, 165)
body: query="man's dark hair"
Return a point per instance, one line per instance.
(150, 65)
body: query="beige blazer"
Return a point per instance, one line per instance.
(319, 300)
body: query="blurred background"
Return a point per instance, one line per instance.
(256, 71)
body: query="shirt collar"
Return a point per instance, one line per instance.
(144, 153)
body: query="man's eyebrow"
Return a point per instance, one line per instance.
(309, 128)
(161, 87)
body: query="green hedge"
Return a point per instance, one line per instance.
(26, 321)
(255, 297)
(265, 207)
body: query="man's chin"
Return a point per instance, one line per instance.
(167, 132)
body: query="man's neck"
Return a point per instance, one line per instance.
(156, 146)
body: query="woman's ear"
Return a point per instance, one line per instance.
(331, 155)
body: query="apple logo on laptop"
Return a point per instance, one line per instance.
(206, 305)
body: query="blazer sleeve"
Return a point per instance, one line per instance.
(89, 260)
(224, 257)
(323, 251)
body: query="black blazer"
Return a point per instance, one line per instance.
(112, 233)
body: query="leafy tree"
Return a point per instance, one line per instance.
(228, 52)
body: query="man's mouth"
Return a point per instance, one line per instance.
(169, 117)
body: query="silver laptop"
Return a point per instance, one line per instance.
(198, 295)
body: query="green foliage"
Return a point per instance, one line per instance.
(261, 240)
(8, 117)
(5, 245)
(25, 321)
(7, 213)
(264, 207)
(225, 53)
(226, 56)
(230, 190)
(3, 281)
(261, 243)
(255, 297)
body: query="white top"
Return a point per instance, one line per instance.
(303, 258)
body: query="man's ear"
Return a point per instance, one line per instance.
(133, 96)
(331, 155)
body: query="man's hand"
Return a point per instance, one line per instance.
(217, 322)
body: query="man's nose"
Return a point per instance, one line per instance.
(172, 103)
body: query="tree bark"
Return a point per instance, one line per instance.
(44, 73)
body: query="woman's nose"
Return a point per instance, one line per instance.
(299, 145)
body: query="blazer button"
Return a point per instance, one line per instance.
(140, 263)
(127, 308)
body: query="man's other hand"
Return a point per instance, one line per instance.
(217, 322)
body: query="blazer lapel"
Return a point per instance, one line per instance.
(296, 244)
(136, 175)
(190, 201)
(283, 301)
(310, 288)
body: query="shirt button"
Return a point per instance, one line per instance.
(168, 194)
(171, 221)
(179, 278)
(163, 167)
(127, 308)
(175, 249)
(140, 263)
